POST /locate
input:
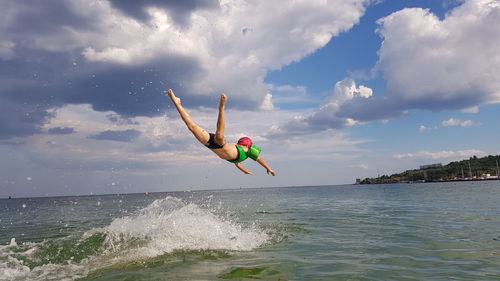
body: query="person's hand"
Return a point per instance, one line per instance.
(223, 99)
(172, 96)
(271, 172)
(249, 173)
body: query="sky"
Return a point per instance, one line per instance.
(331, 90)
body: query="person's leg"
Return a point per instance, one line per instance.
(200, 134)
(221, 122)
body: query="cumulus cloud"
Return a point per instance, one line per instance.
(151, 142)
(98, 140)
(119, 55)
(120, 120)
(444, 154)
(179, 10)
(472, 109)
(451, 122)
(7, 50)
(457, 122)
(330, 115)
(429, 63)
(423, 128)
(267, 103)
(122, 136)
(449, 63)
(61, 130)
(247, 36)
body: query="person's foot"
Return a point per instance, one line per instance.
(223, 99)
(172, 96)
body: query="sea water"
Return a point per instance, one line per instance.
(438, 231)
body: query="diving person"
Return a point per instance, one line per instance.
(234, 153)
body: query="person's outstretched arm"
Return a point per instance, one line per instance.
(261, 161)
(243, 169)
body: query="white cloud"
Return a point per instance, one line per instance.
(472, 109)
(235, 45)
(320, 146)
(159, 142)
(443, 155)
(346, 90)
(288, 94)
(162, 139)
(457, 122)
(451, 63)
(362, 166)
(119, 55)
(267, 104)
(327, 116)
(223, 46)
(7, 50)
(428, 63)
(423, 128)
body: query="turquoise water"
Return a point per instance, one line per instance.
(439, 231)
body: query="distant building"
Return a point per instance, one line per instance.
(488, 176)
(431, 166)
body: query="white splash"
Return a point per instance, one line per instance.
(169, 224)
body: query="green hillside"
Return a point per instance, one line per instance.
(473, 168)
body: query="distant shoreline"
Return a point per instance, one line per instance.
(473, 169)
(440, 180)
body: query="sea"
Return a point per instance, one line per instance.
(427, 231)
